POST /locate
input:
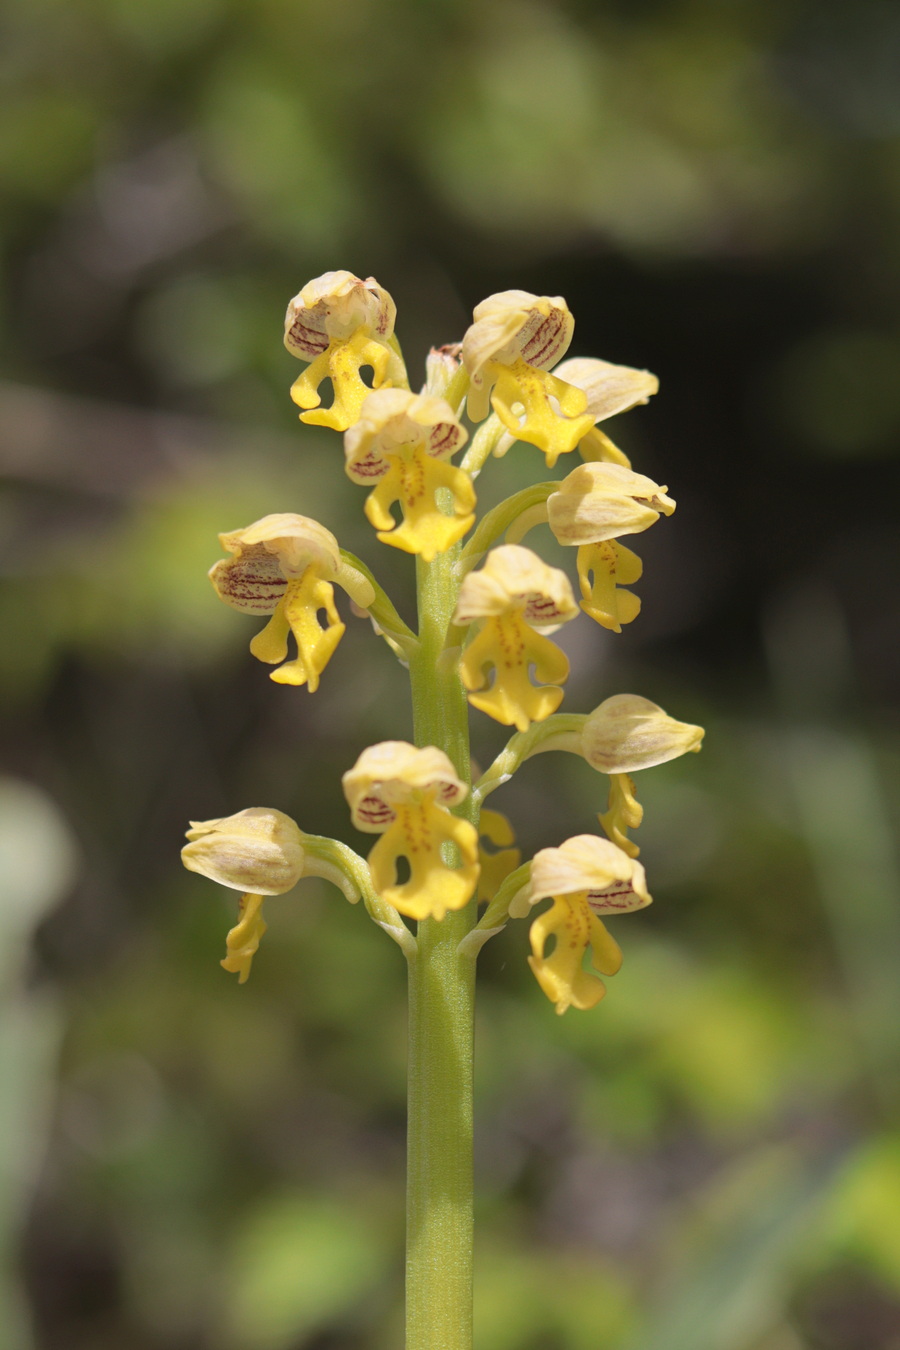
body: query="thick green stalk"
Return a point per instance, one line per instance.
(441, 1002)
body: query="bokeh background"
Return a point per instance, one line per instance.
(711, 1159)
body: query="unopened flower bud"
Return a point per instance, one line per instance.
(259, 851)
(627, 733)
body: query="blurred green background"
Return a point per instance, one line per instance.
(711, 1159)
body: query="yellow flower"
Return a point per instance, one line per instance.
(403, 441)
(284, 565)
(625, 734)
(513, 594)
(610, 390)
(258, 851)
(508, 351)
(340, 323)
(404, 794)
(586, 876)
(594, 506)
(496, 865)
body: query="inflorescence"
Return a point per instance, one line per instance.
(507, 377)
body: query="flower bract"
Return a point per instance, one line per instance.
(404, 793)
(402, 443)
(511, 596)
(340, 324)
(508, 350)
(586, 877)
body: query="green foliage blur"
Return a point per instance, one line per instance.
(710, 1160)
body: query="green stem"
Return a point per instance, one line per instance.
(441, 1003)
(499, 519)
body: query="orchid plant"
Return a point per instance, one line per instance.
(486, 608)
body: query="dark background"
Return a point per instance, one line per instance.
(711, 1159)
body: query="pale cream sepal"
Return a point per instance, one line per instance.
(259, 850)
(627, 733)
(610, 389)
(392, 421)
(509, 326)
(514, 578)
(266, 555)
(596, 502)
(614, 883)
(334, 306)
(394, 772)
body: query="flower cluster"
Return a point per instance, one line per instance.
(508, 379)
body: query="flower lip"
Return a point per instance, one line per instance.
(259, 851)
(597, 868)
(611, 389)
(514, 578)
(627, 733)
(335, 306)
(393, 773)
(391, 419)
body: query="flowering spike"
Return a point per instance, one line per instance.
(404, 794)
(508, 350)
(340, 323)
(402, 442)
(512, 595)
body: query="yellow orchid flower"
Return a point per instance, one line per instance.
(258, 851)
(284, 565)
(625, 734)
(340, 323)
(586, 877)
(402, 441)
(512, 595)
(593, 507)
(404, 794)
(508, 351)
(496, 865)
(610, 390)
